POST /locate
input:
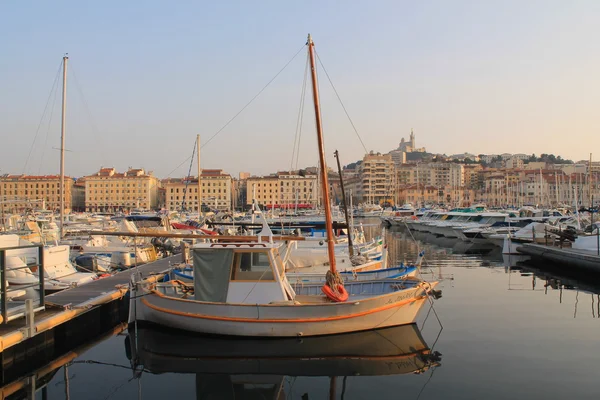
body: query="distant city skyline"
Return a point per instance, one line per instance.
(482, 78)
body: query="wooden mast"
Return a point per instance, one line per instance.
(324, 182)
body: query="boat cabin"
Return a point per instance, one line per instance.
(242, 273)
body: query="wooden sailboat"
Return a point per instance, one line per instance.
(241, 288)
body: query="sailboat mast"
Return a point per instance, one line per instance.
(323, 165)
(349, 227)
(62, 146)
(589, 176)
(199, 178)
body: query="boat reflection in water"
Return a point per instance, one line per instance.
(226, 366)
(27, 379)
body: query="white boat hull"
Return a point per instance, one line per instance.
(280, 320)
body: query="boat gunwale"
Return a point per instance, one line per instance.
(290, 320)
(417, 285)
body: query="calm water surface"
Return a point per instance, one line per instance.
(507, 333)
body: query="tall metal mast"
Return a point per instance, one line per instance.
(62, 146)
(349, 227)
(323, 165)
(199, 178)
(590, 179)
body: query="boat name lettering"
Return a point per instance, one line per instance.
(400, 297)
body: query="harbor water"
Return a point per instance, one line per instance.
(499, 331)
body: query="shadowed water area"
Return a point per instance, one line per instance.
(509, 331)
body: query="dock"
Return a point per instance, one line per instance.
(101, 304)
(574, 260)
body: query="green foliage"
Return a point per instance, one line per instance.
(549, 158)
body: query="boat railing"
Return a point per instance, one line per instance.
(13, 309)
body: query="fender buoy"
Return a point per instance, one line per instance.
(339, 297)
(103, 276)
(414, 218)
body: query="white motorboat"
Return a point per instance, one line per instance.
(59, 273)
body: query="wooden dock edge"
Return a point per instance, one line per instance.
(21, 334)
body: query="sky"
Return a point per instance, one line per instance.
(144, 78)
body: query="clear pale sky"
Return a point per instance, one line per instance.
(468, 76)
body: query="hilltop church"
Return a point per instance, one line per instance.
(399, 154)
(410, 146)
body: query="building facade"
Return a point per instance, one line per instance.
(471, 175)
(109, 190)
(78, 195)
(419, 195)
(283, 189)
(21, 192)
(378, 177)
(182, 193)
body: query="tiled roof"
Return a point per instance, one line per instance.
(33, 177)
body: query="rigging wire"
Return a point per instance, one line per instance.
(300, 129)
(47, 132)
(87, 109)
(254, 98)
(296, 149)
(177, 167)
(426, 383)
(243, 108)
(54, 85)
(341, 102)
(187, 181)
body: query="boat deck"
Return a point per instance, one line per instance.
(308, 299)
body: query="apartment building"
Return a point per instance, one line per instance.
(21, 192)
(293, 186)
(441, 174)
(283, 188)
(471, 175)
(78, 195)
(378, 176)
(421, 194)
(109, 190)
(406, 174)
(182, 193)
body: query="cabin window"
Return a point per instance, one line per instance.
(251, 266)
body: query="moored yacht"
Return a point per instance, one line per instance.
(59, 272)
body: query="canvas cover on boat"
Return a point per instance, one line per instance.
(212, 270)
